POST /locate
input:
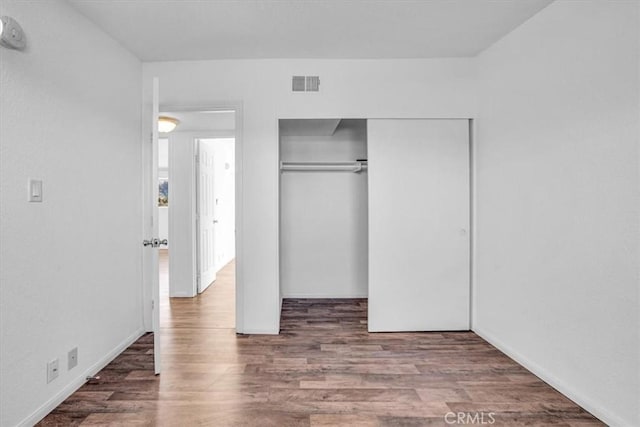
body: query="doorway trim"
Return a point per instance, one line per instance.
(236, 106)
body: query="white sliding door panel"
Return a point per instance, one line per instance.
(418, 225)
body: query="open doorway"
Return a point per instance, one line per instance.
(197, 268)
(215, 208)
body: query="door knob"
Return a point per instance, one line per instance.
(155, 243)
(215, 221)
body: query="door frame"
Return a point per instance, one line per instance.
(147, 283)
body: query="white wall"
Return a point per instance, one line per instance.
(323, 217)
(163, 223)
(349, 88)
(71, 270)
(557, 202)
(182, 208)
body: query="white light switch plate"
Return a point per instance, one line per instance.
(35, 190)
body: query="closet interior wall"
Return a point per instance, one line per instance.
(323, 214)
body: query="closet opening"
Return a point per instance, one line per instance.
(323, 208)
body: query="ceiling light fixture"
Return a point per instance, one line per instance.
(167, 124)
(11, 34)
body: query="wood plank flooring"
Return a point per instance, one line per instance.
(324, 369)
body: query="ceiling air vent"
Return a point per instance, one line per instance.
(305, 83)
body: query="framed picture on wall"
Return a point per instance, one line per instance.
(163, 192)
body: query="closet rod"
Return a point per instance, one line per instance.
(356, 166)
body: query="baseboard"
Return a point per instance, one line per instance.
(594, 408)
(199, 291)
(279, 317)
(325, 296)
(225, 261)
(183, 295)
(79, 381)
(249, 331)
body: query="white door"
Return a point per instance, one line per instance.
(155, 268)
(223, 193)
(418, 225)
(205, 215)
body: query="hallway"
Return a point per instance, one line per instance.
(215, 308)
(324, 369)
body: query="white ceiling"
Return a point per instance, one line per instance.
(168, 30)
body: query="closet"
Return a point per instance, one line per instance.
(378, 208)
(323, 209)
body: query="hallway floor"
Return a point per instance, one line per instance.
(324, 369)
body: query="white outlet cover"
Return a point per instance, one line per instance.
(72, 358)
(52, 370)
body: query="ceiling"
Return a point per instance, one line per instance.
(171, 30)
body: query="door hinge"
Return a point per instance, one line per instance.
(153, 305)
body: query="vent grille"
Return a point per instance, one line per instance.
(305, 83)
(313, 83)
(298, 83)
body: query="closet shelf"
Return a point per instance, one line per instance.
(355, 166)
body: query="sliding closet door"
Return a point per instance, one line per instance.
(418, 225)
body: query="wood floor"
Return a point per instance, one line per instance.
(324, 369)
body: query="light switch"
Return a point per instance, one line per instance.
(35, 190)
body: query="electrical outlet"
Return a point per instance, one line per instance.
(52, 370)
(72, 358)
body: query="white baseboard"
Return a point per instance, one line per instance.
(250, 331)
(207, 286)
(594, 408)
(324, 296)
(182, 295)
(79, 381)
